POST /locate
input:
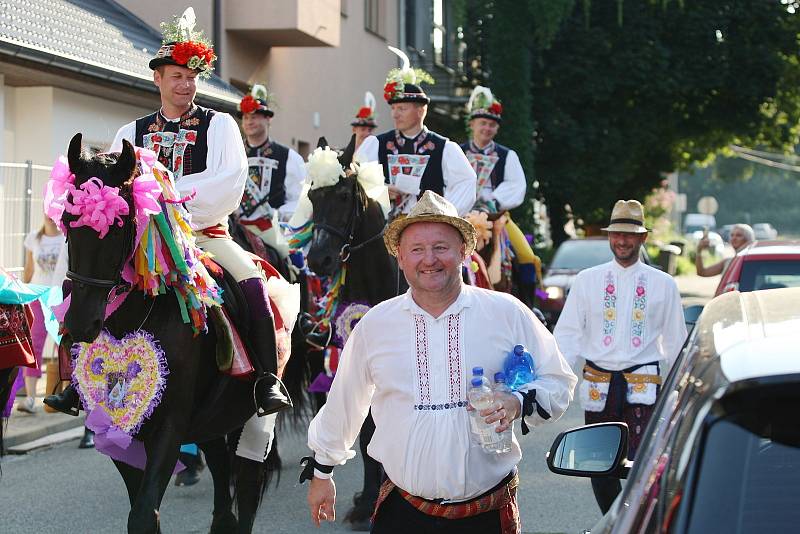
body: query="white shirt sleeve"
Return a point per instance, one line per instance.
(220, 186)
(571, 326)
(673, 333)
(295, 177)
(511, 191)
(334, 430)
(368, 151)
(126, 132)
(460, 181)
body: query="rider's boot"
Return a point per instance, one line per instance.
(68, 401)
(270, 393)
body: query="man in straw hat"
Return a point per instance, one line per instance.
(625, 319)
(408, 360)
(414, 158)
(204, 151)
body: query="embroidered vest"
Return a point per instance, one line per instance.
(432, 145)
(498, 172)
(267, 177)
(182, 146)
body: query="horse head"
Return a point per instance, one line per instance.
(97, 250)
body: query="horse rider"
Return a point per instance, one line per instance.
(501, 179)
(437, 480)
(625, 319)
(364, 122)
(204, 150)
(414, 158)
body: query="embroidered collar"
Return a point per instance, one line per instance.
(418, 140)
(489, 149)
(464, 300)
(163, 119)
(262, 146)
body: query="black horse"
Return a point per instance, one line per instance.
(199, 404)
(348, 230)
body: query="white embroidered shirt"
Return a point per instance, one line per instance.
(413, 370)
(619, 317)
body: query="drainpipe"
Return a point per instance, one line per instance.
(217, 35)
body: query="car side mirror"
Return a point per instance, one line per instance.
(691, 314)
(598, 450)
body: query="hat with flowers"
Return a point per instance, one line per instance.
(403, 84)
(482, 104)
(366, 113)
(184, 46)
(258, 100)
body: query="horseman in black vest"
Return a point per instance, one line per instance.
(414, 158)
(501, 180)
(204, 151)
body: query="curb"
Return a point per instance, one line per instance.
(47, 441)
(13, 439)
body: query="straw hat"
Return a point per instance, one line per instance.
(628, 217)
(430, 208)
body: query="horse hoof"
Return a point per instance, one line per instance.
(187, 477)
(224, 523)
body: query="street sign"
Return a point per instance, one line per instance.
(707, 205)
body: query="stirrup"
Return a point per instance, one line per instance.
(284, 405)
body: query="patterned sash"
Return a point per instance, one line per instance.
(638, 315)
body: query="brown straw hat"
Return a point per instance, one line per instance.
(627, 217)
(430, 208)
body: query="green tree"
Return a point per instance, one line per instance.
(629, 90)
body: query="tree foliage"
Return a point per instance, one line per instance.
(622, 92)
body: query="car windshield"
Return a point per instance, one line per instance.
(761, 441)
(579, 254)
(772, 274)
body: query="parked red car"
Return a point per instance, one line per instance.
(763, 265)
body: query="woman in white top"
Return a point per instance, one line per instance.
(42, 249)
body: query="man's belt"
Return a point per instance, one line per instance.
(619, 380)
(216, 232)
(502, 497)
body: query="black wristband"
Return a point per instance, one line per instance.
(310, 464)
(529, 404)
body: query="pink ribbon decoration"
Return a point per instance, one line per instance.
(115, 443)
(97, 205)
(147, 158)
(61, 183)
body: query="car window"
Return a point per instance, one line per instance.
(749, 474)
(579, 254)
(772, 274)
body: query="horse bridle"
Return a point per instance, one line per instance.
(102, 282)
(347, 236)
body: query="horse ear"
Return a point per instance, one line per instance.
(346, 158)
(126, 161)
(322, 143)
(74, 152)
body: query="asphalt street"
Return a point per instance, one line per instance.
(64, 489)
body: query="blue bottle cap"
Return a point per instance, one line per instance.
(500, 377)
(477, 382)
(519, 349)
(477, 371)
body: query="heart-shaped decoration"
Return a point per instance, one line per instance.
(125, 377)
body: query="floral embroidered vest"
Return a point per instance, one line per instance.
(427, 143)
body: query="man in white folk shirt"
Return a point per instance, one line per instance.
(414, 158)
(625, 319)
(409, 360)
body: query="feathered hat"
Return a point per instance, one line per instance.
(182, 45)
(402, 85)
(482, 104)
(366, 113)
(259, 100)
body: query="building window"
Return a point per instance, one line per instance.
(374, 14)
(439, 32)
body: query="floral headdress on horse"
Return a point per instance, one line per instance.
(403, 84)
(366, 113)
(483, 104)
(258, 100)
(184, 46)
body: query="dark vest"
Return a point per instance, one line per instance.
(182, 147)
(432, 145)
(276, 196)
(499, 171)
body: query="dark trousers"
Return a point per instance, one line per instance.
(397, 516)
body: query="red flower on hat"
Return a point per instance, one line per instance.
(364, 113)
(183, 52)
(249, 104)
(389, 90)
(496, 108)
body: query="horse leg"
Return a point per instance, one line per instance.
(216, 451)
(162, 455)
(132, 477)
(253, 474)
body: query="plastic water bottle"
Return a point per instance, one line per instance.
(519, 368)
(481, 397)
(477, 372)
(503, 444)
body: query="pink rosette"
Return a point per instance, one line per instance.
(97, 205)
(146, 157)
(61, 183)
